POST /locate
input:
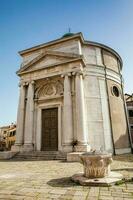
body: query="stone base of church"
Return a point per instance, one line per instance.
(5, 155)
(22, 148)
(16, 148)
(74, 156)
(82, 148)
(122, 151)
(67, 148)
(78, 150)
(27, 148)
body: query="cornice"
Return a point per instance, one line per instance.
(80, 59)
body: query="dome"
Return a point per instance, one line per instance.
(68, 34)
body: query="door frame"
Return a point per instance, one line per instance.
(39, 124)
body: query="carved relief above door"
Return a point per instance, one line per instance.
(48, 88)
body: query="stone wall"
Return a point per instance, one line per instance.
(110, 61)
(92, 55)
(118, 117)
(97, 113)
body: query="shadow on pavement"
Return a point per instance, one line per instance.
(61, 182)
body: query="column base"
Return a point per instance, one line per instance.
(82, 148)
(16, 147)
(67, 148)
(27, 148)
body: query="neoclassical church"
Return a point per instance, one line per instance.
(71, 92)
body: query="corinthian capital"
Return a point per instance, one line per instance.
(66, 74)
(78, 73)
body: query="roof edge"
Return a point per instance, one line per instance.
(106, 48)
(76, 35)
(80, 35)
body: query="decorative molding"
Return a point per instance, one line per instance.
(57, 54)
(48, 88)
(119, 91)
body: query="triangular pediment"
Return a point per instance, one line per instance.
(49, 58)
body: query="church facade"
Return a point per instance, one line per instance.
(71, 92)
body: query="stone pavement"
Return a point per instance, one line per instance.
(40, 180)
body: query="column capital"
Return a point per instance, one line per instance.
(21, 84)
(78, 73)
(32, 82)
(66, 74)
(26, 83)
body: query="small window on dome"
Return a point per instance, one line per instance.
(116, 91)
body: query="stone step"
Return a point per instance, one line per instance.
(41, 155)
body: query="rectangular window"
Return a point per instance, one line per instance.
(131, 127)
(130, 113)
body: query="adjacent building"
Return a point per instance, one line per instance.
(129, 103)
(7, 137)
(71, 92)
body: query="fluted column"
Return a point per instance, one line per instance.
(20, 119)
(80, 113)
(28, 136)
(67, 112)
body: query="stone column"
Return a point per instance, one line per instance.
(67, 114)
(28, 136)
(80, 114)
(20, 119)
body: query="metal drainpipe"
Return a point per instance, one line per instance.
(125, 110)
(108, 104)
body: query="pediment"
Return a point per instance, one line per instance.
(47, 59)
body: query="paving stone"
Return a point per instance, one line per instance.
(58, 191)
(117, 194)
(67, 197)
(105, 198)
(92, 198)
(105, 193)
(80, 193)
(42, 180)
(104, 189)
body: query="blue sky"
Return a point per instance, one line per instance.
(25, 23)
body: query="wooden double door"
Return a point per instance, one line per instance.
(49, 129)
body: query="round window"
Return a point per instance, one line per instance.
(116, 91)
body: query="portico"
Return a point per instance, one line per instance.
(40, 98)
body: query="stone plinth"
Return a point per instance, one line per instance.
(5, 155)
(112, 178)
